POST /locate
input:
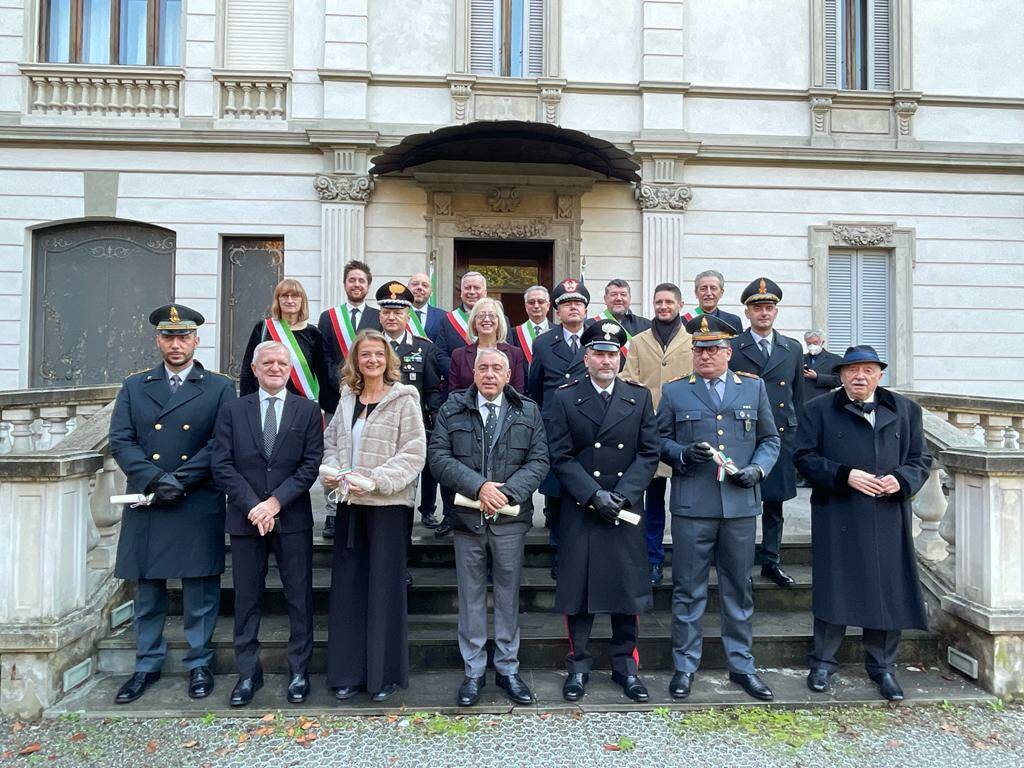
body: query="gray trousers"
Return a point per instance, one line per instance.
(201, 601)
(471, 572)
(880, 647)
(696, 541)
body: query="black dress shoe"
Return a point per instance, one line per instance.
(135, 687)
(200, 683)
(888, 686)
(386, 692)
(469, 691)
(817, 679)
(329, 527)
(298, 688)
(348, 691)
(657, 575)
(245, 689)
(680, 685)
(430, 521)
(773, 572)
(516, 690)
(443, 529)
(753, 685)
(575, 686)
(632, 686)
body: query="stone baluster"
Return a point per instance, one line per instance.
(106, 517)
(172, 96)
(995, 429)
(947, 528)
(53, 107)
(1016, 438)
(261, 100)
(965, 422)
(39, 100)
(57, 417)
(21, 420)
(98, 107)
(246, 110)
(113, 97)
(143, 100)
(157, 101)
(277, 109)
(929, 506)
(128, 99)
(83, 97)
(230, 109)
(5, 438)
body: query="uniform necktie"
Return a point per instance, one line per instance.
(575, 345)
(355, 318)
(270, 427)
(490, 423)
(606, 397)
(765, 350)
(713, 391)
(175, 383)
(394, 345)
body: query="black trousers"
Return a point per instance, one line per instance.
(880, 648)
(368, 635)
(428, 491)
(250, 556)
(771, 533)
(625, 627)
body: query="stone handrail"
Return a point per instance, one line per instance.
(40, 419)
(94, 90)
(997, 421)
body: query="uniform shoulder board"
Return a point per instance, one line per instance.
(633, 382)
(572, 383)
(420, 338)
(136, 373)
(747, 374)
(677, 378)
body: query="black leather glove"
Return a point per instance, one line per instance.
(747, 477)
(620, 501)
(604, 504)
(697, 453)
(168, 490)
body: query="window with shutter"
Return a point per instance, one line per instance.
(858, 44)
(256, 34)
(485, 37)
(506, 37)
(859, 290)
(534, 54)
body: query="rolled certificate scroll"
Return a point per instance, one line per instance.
(629, 517)
(135, 499)
(348, 476)
(465, 501)
(726, 466)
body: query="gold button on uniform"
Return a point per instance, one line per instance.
(782, 405)
(156, 457)
(158, 426)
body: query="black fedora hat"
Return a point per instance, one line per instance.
(861, 353)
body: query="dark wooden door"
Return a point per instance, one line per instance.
(510, 268)
(95, 284)
(252, 267)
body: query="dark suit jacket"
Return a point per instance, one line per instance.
(460, 375)
(369, 318)
(447, 341)
(730, 318)
(247, 477)
(822, 365)
(435, 316)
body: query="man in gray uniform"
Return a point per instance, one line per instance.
(715, 414)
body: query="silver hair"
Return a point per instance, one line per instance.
(473, 274)
(709, 273)
(484, 351)
(271, 344)
(533, 288)
(814, 332)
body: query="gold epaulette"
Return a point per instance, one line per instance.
(747, 374)
(569, 384)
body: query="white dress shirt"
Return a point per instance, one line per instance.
(567, 334)
(758, 338)
(182, 374)
(609, 389)
(278, 406)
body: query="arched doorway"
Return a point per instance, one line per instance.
(94, 285)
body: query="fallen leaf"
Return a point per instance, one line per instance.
(151, 747)
(894, 743)
(78, 736)
(914, 669)
(190, 743)
(7, 755)
(545, 716)
(17, 726)
(948, 727)
(612, 748)
(290, 732)
(309, 724)
(264, 730)
(222, 751)
(979, 744)
(392, 718)
(269, 718)
(31, 749)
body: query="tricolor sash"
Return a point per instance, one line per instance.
(690, 315)
(415, 325)
(459, 319)
(608, 315)
(526, 335)
(343, 330)
(301, 375)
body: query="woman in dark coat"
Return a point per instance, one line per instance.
(487, 325)
(862, 450)
(290, 307)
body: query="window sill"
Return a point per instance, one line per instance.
(123, 71)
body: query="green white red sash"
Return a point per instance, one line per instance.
(415, 325)
(459, 319)
(301, 375)
(690, 315)
(526, 335)
(609, 315)
(344, 332)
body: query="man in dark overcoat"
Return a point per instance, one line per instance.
(818, 364)
(161, 435)
(604, 446)
(778, 360)
(862, 450)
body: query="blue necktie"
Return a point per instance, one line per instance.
(713, 391)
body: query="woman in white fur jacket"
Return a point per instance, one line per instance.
(377, 432)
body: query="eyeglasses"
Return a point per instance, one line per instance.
(708, 351)
(289, 295)
(486, 316)
(537, 301)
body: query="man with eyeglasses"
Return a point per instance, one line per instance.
(538, 305)
(718, 435)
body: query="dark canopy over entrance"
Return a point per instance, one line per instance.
(509, 141)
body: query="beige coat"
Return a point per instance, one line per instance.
(648, 365)
(392, 450)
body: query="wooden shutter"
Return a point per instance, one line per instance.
(256, 34)
(534, 36)
(484, 37)
(840, 301)
(873, 302)
(831, 43)
(879, 45)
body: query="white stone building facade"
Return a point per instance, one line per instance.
(868, 155)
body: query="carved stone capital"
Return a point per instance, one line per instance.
(503, 199)
(863, 235)
(550, 97)
(461, 91)
(664, 197)
(905, 111)
(820, 107)
(344, 189)
(522, 229)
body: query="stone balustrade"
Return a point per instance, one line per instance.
(253, 95)
(995, 421)
(87, 90)
(58, 539)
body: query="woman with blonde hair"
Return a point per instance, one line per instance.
(377, 437)
(487, 329)
(287, 324)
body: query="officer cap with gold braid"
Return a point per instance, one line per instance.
(762, 289)
(570, 289)
(175, 320)
(604, 336)
(394, 295)
(710, 331)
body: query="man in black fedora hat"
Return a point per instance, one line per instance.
(862, 450)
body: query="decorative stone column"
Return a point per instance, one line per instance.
(342, 235)
(663, 206)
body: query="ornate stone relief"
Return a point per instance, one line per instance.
(863, 235)
(461, 91)
(664, 197)
(905, 111)
(820, 106)
(442, 204)
(565, 206)
(503, 199)
(549, 99)
(502, 230)
(354, 189)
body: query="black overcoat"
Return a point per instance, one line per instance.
(602, 567)
(153, 432)
(864, 564)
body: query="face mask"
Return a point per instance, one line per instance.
(814, 349)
